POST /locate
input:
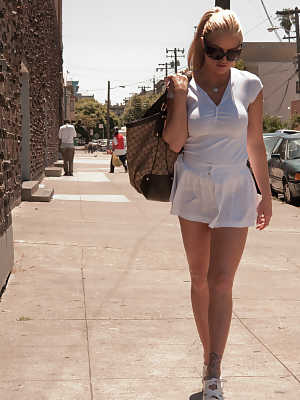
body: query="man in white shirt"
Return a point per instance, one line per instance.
(66, 136)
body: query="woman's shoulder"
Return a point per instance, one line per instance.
(248, 84)
(245, 75)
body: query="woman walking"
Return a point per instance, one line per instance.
(217, 119)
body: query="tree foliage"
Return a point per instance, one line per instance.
(271, 123)
(287, 21)
(89, 114)
(240, 64)
(295, 122)
(137, 106)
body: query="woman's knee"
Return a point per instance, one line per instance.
(221, 283)
(198, 281)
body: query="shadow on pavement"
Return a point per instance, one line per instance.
(197, 396)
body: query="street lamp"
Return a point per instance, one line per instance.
(108, 106)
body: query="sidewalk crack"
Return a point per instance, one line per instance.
(86, 323)
(265, 346)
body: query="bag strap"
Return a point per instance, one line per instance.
(157, 106)
(161, 106)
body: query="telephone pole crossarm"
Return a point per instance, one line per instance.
(165, 67)
(175, 55)
(294, 12)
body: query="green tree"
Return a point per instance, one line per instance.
(294, 122)
(89, 114)
(271, 123)
(137, 106)
(287, 21)
(240, 64)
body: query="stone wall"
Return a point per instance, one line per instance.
(30, 47)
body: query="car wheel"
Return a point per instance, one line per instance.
(288, 198)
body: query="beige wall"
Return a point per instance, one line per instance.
(274, 64)
(277, 88)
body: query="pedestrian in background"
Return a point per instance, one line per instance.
(90, 147)
(118, 149)
(217, 119)
(66, 136)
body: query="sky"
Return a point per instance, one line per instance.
(124, 41)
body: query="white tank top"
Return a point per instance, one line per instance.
(218, 134)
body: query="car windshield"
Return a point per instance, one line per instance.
(293, 149)
(270, 143)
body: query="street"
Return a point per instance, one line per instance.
(98, 306)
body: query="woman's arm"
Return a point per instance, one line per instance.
(176, 130)
(258, 160)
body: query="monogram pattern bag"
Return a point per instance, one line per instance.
(150, 160)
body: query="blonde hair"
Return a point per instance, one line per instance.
(214, 20)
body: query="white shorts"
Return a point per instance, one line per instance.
(219, 195)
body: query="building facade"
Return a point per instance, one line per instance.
(275, 64)
(30, 103)
(69, 101)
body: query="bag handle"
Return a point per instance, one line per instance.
(161, 106)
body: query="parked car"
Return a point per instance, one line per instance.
(284, 167)
(288, 131)
(270, 140)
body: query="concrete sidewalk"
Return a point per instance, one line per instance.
(99, 306)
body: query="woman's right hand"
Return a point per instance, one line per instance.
(177, 85)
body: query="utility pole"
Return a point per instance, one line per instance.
(165, 68)
(298, 46)
(107, 114)
(175, 55)
(154, 88)
(143, 88)
(296, 13)
(223, 3)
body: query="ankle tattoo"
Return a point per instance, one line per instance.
(214, 361)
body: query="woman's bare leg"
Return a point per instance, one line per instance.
(227, 246)
(196, 239)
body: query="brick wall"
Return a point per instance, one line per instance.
(29, 35)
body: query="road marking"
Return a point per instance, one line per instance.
(111, 198)
(82, 177)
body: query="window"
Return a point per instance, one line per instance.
(281, 149)
(270, 143)
(293, 149)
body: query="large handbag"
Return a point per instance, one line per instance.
(116, 162)
(150, 160)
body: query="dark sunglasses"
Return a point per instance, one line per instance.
(216, 53)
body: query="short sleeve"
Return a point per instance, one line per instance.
(254, 87)
(74, 132)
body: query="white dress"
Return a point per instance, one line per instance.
(212, 183)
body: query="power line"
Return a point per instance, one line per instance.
(175, 55)
(256, 26)
(284, 95)
(281, 85)
(269, 18)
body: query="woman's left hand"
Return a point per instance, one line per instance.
(264, 213)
